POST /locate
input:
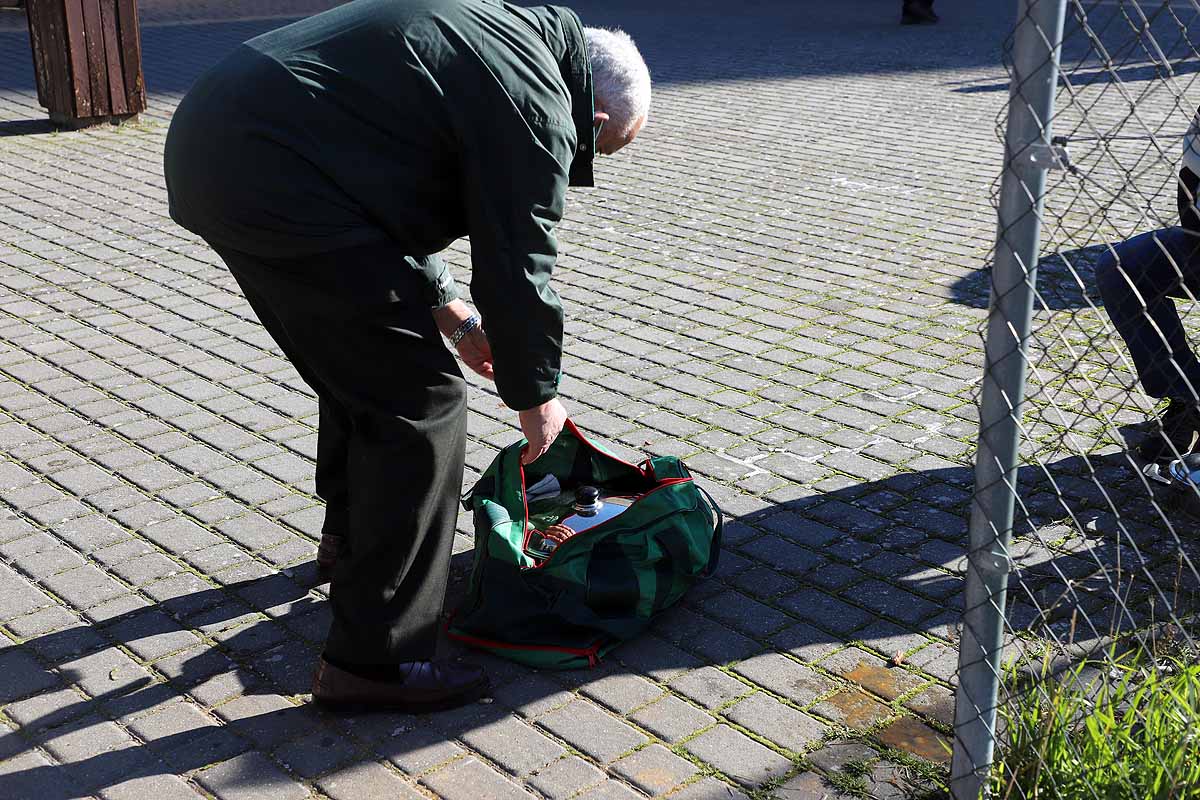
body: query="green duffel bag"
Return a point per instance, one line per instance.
(601, 586)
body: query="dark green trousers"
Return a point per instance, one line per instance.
(391, 442)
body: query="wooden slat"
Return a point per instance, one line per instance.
(36, 39)
(112, 57)
(93, 37)
(59, 98)
(131, 55)
(77, 58)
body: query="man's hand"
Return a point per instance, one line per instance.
(474, 349)
(541, 426)
(476, 353)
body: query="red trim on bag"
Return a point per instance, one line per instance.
(579, 435)
(592, 653)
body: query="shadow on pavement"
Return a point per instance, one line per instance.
(1066, 281)
(803, 577)
(25, 127)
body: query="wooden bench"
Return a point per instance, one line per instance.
(87, 56)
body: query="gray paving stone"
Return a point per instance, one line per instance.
(150, 634)
(591, 731)
(622, 692)
(709, 687)
(785, 677)
(248, 776)
(738, 756)
(654, 769)
(415, 750)
(853, 708)
(17, 596)
(672, 719)
(745, 614)
(179, 536)
(610, 790)
(316, 753)
(146, 568)
(23, 675)
(158, 787)
(32, 775)
(822, 610)
(709, 789)
(367, 779)
(185, 738)
(265, 719)
(51, 561)
(892, 601)
(467, 779)
(105, 673)
(835, 755)
(513, 745)
(806, 642)
(43, 621)
(117, 608)
(565, 778)
(95, 752)
(808, 786)
(785, 726)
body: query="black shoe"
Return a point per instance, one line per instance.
(918, 13)
(1173, 435)
(415, 687)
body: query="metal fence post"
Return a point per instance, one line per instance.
(1036, 45)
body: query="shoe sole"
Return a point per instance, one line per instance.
(367, 706)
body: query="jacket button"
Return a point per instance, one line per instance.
(583, 148)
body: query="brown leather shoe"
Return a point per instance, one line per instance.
(426, 686)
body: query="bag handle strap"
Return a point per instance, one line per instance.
(714, 552)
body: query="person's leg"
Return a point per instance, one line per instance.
(332, 430)
(1137, 282)
(379, 354)
(333, 435)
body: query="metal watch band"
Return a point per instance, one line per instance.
(468, 325)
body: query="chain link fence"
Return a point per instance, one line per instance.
(1079, 670)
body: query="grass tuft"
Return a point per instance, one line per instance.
(1118, 729)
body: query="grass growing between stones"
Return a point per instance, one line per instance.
(1119, 729)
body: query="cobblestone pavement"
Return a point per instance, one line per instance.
(775, 283)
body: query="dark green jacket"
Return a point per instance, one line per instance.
(415, 121)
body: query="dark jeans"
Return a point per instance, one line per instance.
(391, 442)
(1137, 284)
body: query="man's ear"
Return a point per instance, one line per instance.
(599, 117)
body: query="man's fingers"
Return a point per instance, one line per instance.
(534, 450)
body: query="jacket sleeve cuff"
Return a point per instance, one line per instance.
(444, 290)
(527, 396)
(439, 286)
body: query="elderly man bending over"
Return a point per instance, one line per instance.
(327, 163)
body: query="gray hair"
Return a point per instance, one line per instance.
(620, 77)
